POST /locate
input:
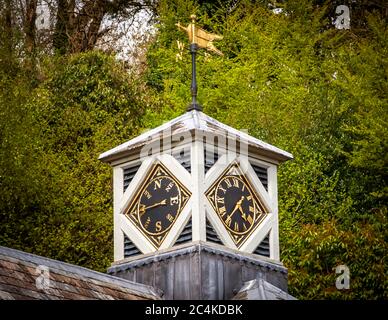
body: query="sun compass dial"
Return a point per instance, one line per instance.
(158, 204)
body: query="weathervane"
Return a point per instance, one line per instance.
(198, 38)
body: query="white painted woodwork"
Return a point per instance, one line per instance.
(188, 131)
(198, 197)
(118, 236)
(273, 193)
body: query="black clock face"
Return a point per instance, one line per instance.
(235, 205)
(159, 205)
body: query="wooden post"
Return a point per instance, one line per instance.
(198, 178)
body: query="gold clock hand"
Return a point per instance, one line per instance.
(238, 204)
(144, 208)
(243, 215)
(163, 202)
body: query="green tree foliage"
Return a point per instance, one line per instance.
(56, 198)
(318, 92)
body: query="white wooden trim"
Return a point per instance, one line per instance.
(174, 146)
(198, 204)
(133, 160)
(258, 235)
(135, 184)
(176, 169)
(216, 170)
(135, 235)
(256, 183)
(273, 193)
(118, 237)
(200, 123)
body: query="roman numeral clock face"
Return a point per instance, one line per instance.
(158, 203)
(236, 204)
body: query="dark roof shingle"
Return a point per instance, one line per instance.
(29, 277)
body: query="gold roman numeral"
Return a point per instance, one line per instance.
(221, 188)
(235, 182)
(259, 209)
(228, 183)
(222, 211)
(250, 219)
(220, 200)
(236, 228)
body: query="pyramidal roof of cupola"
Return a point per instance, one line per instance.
(199, 123)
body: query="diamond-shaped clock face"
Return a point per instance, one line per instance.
(157, 204)
(236, 204)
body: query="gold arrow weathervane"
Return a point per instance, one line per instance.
(198, 38)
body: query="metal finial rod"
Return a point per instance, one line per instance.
(194, 105)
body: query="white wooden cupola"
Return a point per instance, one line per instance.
(195, 151)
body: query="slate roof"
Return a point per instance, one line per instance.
(259, 289)
(24, 276)
(200, 123)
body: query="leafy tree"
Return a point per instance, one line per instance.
(317, 92)
(290, 78)
(85, 104)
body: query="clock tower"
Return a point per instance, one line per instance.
(196, 208)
